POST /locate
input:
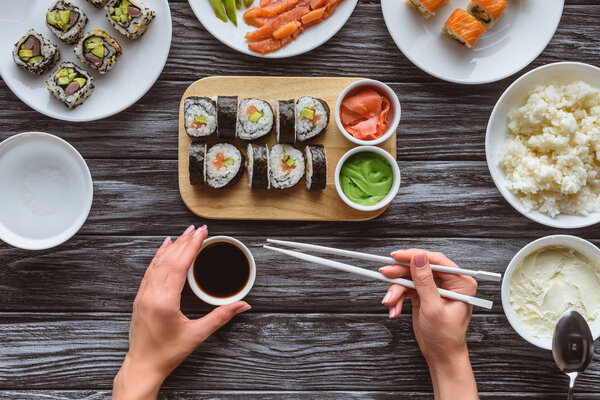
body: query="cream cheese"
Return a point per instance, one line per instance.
(551, 281)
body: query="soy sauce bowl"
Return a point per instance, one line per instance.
(219, 301)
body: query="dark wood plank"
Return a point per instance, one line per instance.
(274, 352)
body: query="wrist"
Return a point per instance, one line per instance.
(452, 376)
(137, 381)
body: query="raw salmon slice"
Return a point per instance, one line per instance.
(266, 31)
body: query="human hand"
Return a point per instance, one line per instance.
(160, 336)
(440, 324)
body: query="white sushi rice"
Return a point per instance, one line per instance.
(220, 177)
(552, 155)
(248, 130)
(204, 108)
(306, 128)
(282, 178)
(309, 167)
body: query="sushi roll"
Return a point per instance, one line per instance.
(200, 116)
(316, 167)
(227, 107)
(312, 118)
(426, 8)
(197, 167)
(258, 166)
(286, 121)
(99, 50)
(464, 28)
(66, 21)
(70, 84)
(254, 119)
(97, 3)
(35, 53)
(224, 165)
(130, 17)
(487, 11)
(286, 166)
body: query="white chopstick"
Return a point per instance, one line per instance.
(379, 276)
(483, 275)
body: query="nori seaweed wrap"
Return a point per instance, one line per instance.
(227, 107)
(286, 121)
(258, 166)
(316, 167)
(130, 17)
(35, 53)
(197, 157)
(66, 21)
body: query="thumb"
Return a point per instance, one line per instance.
(211, 322)
(422, 275)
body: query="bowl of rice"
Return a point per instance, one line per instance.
(543, 145)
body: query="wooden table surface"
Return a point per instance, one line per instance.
(312, 333)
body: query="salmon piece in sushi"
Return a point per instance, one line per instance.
(487, 11)
(426, 8)
(464, 28)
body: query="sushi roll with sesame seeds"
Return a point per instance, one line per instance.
(70, 84)
(312, 118)
(224, 165)
(258, 166)
(66, 21)
(286, 166)
(130, 17)
(35, 54)
(316, 167)
(99, 50)
(97, 3)
(254, 119)
(200, 116)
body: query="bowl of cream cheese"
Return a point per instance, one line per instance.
(548, 277)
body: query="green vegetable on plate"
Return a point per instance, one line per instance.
(231, 11)
(218, 9)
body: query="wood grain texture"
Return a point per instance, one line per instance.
(297, 203)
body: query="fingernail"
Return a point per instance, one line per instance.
(199, 231)
(420, 260)
(385, 268)
(188, 230)
(243, 308)
(391, 312)
(396, 252)
(386, 298)
(203, 227)
(166, 242)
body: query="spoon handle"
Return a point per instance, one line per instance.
(572, 376)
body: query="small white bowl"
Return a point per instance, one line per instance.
(219, 301)
(395, 185)
(46, 190)
(393, 115)
(497, 133)
(583, 246)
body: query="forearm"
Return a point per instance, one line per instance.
(453, 379)
(133, 382)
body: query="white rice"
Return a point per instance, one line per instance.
(219, 178)
(551, 157)
(306, 128)
(248, 130)
(280, 178)
(204, 107)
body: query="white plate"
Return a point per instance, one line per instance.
(497, 132)
(132, 76)
(233, 37)
(46, 191)
(517, 39)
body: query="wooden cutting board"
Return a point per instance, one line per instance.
(299, 204)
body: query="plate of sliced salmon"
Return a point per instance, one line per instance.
(277, 28)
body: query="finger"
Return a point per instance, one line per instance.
(395, 271)
(424, 283)
(210, 323)
(160, 252)
(396, 309)
(192, 247)
(177, 274)
(395, 292)
(434, 257)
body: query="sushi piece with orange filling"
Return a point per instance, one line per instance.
(487, 11)
(426, 8)
(464, 28)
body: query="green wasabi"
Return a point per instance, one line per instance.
(366, 178)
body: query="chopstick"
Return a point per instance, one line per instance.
(377, 275)
(483, 275)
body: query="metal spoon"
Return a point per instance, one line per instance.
(572, 346)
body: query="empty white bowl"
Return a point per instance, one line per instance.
(47, 191)
(395, 185)
(393, 114)
(497, 132)
(583, 246)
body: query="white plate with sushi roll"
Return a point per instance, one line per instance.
(310, 35)
(485, 40)
(74, 61)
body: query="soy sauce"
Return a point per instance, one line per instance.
(221, 270)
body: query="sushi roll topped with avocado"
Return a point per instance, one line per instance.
(66, 21)
(312, 118)
(35, 54)
(130, 17)
(99, 50)
(70, 84)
